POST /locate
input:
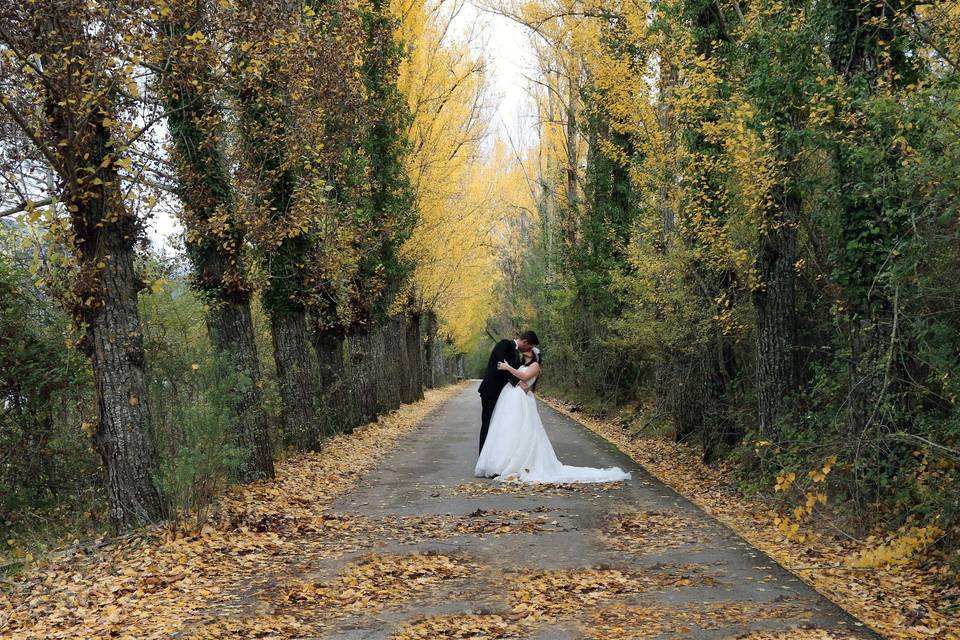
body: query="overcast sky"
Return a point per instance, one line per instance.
(507, 47)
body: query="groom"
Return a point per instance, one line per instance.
(494, 380)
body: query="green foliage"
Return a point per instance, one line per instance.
(822, 132)
(200, 456)
(194, 391)
(49, 473)
(48, 470)
(571, 297)
(389, 211)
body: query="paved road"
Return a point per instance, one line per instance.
(634, 560)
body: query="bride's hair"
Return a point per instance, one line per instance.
(539, 360)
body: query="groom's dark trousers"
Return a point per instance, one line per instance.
(493, 382)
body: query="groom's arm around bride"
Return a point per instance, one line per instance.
(495, 379)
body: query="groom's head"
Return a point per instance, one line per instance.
(527, 341)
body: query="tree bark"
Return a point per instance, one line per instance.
(686, 399)
(720, 428)
(414, 345)
(395, 365)
(361, 378)
(379, 370)
(230, 325)
(775, 304)
(404, 366)
(103, 299)
(429, 351)
(329, 349)
(572, 157)
(123, 436)
(332, 410)
(298, 377)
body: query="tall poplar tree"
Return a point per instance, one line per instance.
(215, 234)
(65, 86)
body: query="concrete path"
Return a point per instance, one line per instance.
(633, 560)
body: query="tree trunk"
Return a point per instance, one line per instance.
(267, 121)
(333, 402)
(404, 366)
(687, 401)
(667, 357)
(713, 357)
(859, 54)
(868, 369)
(230, 325)
(298, 376)
(123, 436)
(380, 370)
(775, 305)
(437, 364)
(429, 351)
(719, 430)
(329, 349)
(414, 374)
(396, 364)
(231, 330)
(572, 157)
(390, 366)
(361, 378)
(662, 375)
(104, 299)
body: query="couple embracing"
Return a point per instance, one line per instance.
(513, 443)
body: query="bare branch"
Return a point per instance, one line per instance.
(23, 206)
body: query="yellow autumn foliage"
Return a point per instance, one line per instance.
(898, 549)
(445, 83)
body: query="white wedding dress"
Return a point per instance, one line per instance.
(517, 448)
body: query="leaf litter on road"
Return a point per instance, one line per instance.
(377, 581)
(909, 601)
(644, 532)
(155, 583)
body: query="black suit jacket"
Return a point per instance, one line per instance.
(493, 379)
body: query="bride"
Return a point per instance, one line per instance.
(517, 448)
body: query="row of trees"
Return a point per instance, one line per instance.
(747, 216)
(279, 136)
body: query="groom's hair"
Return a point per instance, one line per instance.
(530, 337)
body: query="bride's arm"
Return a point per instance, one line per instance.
(531, 372)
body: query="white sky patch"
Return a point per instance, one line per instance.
(506, 44)
(162, 227)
